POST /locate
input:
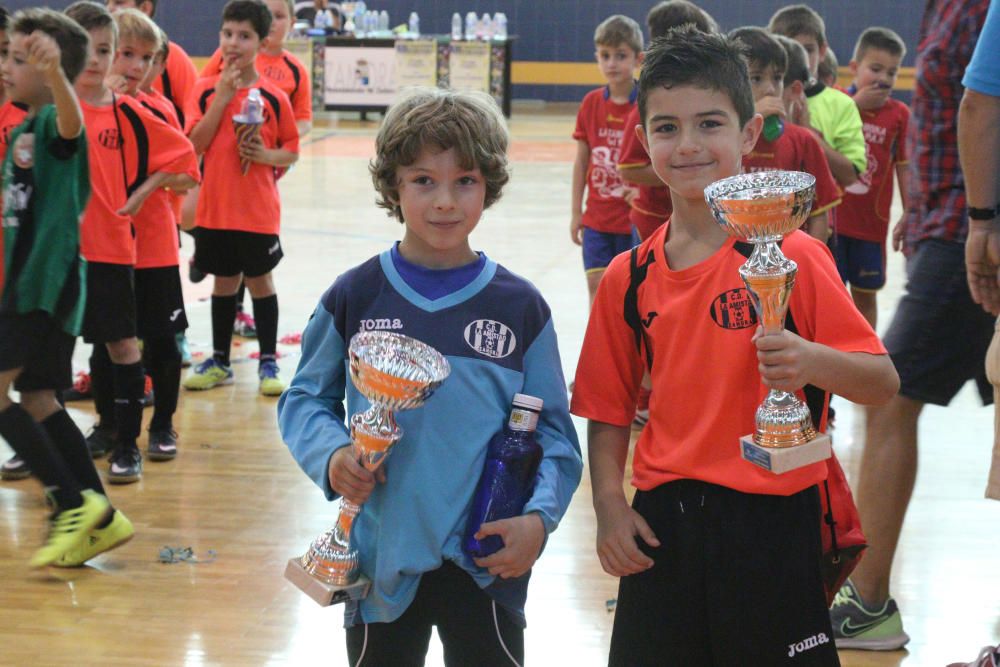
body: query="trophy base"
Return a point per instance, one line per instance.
(780, 460)
(323, 593)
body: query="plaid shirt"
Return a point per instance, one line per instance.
(948, 35)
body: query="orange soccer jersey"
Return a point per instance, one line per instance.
(11, 115)
(706, 385)
(177, 79)
(284, 70)
(229, 199)
(126, 143)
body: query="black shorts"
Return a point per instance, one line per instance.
(36, 343)
(159, 302)
(939, 336)
(736, 580)
(474, 629)
(110, 312)
(227, 252)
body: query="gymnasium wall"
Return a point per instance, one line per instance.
(555, 37)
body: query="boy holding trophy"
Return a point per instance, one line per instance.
(715, 553)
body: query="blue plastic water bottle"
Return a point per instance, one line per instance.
(508, 478)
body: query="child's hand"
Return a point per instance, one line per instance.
(873, 96)
(784, 359)
(770, 106)
(229, 82)
(522, 536)
(351, 479)
(798, 112)
(117, 83)
(134, 203)
(43, 53)
(617, 529)
(898, 231)
(253, 149)
(629, 193)
(576, 229)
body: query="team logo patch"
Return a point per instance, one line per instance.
(24, 151)
(733, 309)
(491, 338)
(110, 139)
(274, 73)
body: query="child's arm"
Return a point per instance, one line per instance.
(225, 89)
(818, 227)
(177, 182)
(903, 180)
(580, 165)
(617, 523)
(788, 362)
(842, 169)
(44, 53)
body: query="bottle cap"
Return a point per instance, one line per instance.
(526, 402)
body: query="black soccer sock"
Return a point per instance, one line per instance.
(130, 385)
(240, 295)
(223, 314)
(72, 447)
(165, 369)
(102, 386)
(30, 442)
(265, 312)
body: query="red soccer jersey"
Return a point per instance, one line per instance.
(601, 124)
(126, 143)
(225, 190)
(797, 150)
(177, 79)
(652, 206)
(156, 241)
(706, 385)
(865, 212)
(11, 115)
(285, 70)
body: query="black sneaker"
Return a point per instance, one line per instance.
(162, 445)
(14, 468)
(100, 441)
(126, 466)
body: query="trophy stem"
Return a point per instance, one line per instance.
(769, 277)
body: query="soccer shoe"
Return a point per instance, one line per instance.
(244, 325)
(100, 441)
(14, 468)
(80, 390)
(162, 445)
(184, 349)
(99, 540)
(68, 528)
(270, 383)
(858, 626)
(209, 373)
(125, 466)
(989, 656)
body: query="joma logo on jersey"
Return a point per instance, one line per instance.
(110, 139)
(490, 338)
(381, 324)
(734, 310)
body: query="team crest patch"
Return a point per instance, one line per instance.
(24, 151)
(491, 338)
(733, 309)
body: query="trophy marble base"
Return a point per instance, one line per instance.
(325, 594)
(780, 460)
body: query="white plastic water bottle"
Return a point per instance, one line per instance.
(414, 24)
(471, 23)
(383, 21)
(499, 26)
(485, 28)
(253, 107)
(456, 27)
(372, 22)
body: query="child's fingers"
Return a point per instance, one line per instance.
(646, 533)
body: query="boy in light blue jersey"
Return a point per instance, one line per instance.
(440, 161)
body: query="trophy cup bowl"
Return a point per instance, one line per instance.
(394, 372)
(762, 208)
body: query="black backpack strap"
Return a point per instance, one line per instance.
(637, 274)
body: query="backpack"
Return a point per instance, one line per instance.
(843, 541)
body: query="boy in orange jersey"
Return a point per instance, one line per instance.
(864, 223)
(236, 242)
(133, 153)
(603, 227)
(714, 551)
(795, 148)
(158, 295)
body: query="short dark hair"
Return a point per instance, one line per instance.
(688, 57)
(617, 30)
(93, 16)
(253, 11)
(671, 14)
(798, 62)
(880, 38)
(828, 67)
(152, 11)
(760, 48)
(4, 18)
(72, 39)
(795, 20)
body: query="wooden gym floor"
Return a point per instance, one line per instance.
(235, 490)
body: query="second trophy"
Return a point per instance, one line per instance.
(762, 208)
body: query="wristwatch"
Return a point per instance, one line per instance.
(983, 213)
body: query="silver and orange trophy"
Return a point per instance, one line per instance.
(394, 372)
(762, 208)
